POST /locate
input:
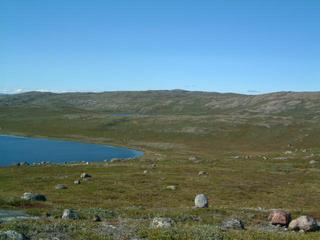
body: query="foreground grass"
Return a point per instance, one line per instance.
(248, 174)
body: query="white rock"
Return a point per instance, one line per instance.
(201, 201)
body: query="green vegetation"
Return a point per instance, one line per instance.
(241, 148)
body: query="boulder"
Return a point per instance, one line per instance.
(279, 217)
(304, 223)
(60, 186)
(11, 235)
(70, 214)
(235, 224)
(201, 201)
(85, 175)
(159, 222)
(29, 196)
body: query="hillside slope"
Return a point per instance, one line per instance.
(172, 102)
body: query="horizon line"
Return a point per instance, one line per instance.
(249, 92)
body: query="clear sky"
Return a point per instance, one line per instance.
(244, 46)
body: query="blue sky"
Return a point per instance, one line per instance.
(244, 46)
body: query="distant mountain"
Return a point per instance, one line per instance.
(172, 102)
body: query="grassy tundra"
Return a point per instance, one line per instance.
(256, 151)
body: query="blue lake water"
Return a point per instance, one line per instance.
(14, 149)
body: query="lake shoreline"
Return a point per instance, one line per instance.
(26, 150)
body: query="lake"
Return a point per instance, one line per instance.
(15, 149)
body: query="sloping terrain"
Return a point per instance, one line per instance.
(172, 102)
(257, 153)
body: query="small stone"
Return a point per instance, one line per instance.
(11, 235)
(29, 196)
(201, 201)
(60, 186)
(305, 223)
(145, 171)
(171, 187)
(70, 214)
(279, 217)
(159, 222)
(202, 173)
(235, 224)
(85, 175)
(312, 162)
(193, 158)
(77, 182)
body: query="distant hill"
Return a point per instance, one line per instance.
(172, 102)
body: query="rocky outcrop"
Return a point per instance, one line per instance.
(11, 235)
(235, 224)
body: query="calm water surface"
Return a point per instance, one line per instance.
(14, 149)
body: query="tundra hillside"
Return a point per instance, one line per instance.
(248, 154)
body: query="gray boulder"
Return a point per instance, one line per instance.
(159, 222)
(201, 201)
(29, 196)
(70, 214)
(235, 224)
(304, 223)
(11, 235)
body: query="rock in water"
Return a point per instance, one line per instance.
(201, 201)
(33, 197)
(235, 224)
(85, 175)
(304, 223)
(70, 214)
(11, 235)
(60, 186)
(279, 217)
(159, 222)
